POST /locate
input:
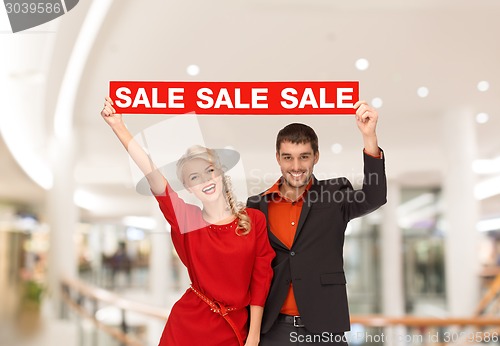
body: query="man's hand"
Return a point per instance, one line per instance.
(366, 119)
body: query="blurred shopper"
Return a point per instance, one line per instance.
(121, 263)
(307, 219)
(223, 245)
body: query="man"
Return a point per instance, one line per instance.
(307, 219)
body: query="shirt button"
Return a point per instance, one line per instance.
(292, 253)
(293, 223)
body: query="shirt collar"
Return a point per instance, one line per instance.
(276, 187)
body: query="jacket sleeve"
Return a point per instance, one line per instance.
(372, 195)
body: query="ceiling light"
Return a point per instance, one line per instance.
(488, 225)
(483, 85)
(416, 203)
(135, 233)
(482, 118)
(142, 222)
(377, 102)
(486, 166)
(336, 148)
(362, 64)
(422, 92)
(487, 188)
(193, 70)
(87, 200)
(417, 218)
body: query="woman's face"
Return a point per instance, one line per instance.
(203, 179)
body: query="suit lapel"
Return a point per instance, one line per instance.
(305, 209)
(263, 207)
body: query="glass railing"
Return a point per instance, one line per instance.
(106, 319)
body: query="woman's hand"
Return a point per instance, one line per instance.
(109, 113)
(155, 179)
(253, 337)
(252, 341)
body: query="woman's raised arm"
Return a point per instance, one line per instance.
(156, 180)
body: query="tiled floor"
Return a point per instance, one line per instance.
(39, 327)
(34, 328)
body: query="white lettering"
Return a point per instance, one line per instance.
(256, 98)
(322, 99)
(341, 98)
(122, 94)
(155, 102)
(172, 97)
(141, 98)
(308, 99)
(286, 95)
(201, 95)
(237, 100)
(223, 99)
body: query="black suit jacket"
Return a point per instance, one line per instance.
(314, 264)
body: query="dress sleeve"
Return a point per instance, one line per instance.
(182, 217)
(176, 213)
(262, 273)
(172, 207)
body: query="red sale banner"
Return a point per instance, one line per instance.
(242, 98)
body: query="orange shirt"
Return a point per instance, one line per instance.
(283, 219)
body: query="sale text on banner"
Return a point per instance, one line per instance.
(243, 98)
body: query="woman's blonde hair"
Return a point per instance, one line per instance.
(209, 155)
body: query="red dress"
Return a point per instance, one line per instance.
(230, 269)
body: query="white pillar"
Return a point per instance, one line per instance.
(160, 261)
(63, 219)
(461, 214)
(392, 262)
(160, 270)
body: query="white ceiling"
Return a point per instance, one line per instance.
(447, 46)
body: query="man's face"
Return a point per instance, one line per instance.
(296, 162)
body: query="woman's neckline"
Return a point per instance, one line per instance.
(223, 222)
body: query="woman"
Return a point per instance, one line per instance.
(224, 247)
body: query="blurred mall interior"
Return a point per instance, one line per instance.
(86, 260)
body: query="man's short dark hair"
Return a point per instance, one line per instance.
(297, 134)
